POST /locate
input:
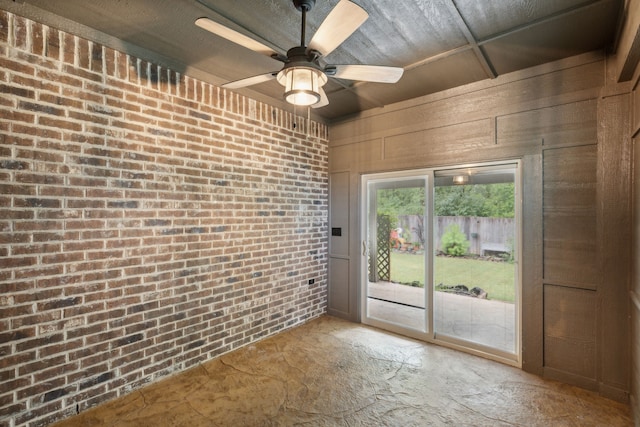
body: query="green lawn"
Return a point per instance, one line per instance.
(496, 278)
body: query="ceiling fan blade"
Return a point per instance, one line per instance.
(367, 73)
(234, 36)
(323, 100)
(341, 22)
(250, 81)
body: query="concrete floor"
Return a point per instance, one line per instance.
(330, 372)
(490, 323)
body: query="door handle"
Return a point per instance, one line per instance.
(364, 248)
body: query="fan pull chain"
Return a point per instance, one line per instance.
(304, 27)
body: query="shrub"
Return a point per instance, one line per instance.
(454, 242)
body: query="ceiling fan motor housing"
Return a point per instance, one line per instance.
(301, 57)
(305, 5)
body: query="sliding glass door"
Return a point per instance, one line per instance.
(440, 256)
(395, 251)
(475, 269)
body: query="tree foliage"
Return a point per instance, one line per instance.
(484, 200)
(401, 201)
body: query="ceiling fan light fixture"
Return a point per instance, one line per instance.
(302, 84)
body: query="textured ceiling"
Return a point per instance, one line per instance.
(440, 43)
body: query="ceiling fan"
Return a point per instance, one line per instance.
(303, 75)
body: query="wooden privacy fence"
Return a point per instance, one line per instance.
(484, 234)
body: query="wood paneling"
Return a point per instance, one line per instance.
(345, 157)
(339, 301)
(571, 168)
(630, 35)
(339, 214)
(570, 330)
(459, 138)
(614, 238)
(578, 83)
(561, 125)
(635, 278)
(570, 256)
(532, 267)
(570, 232)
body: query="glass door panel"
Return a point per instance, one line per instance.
(395, 249)
(475, 268)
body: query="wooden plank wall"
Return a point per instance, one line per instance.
(635, 284)
(627, 61)
(550, 118)
(634, 290)
(614, 238)
(635, 279)
(571, 273)
(341, 296)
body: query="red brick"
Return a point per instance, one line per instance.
(132, 206)
(84, 74)
(34, 82)
(96, 58)
(52, 44)
(4, 26)
(109, 59)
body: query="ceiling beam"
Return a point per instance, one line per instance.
(437, 57)
(476, 45)
(548, 18)
(473, 43)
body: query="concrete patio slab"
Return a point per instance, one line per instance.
(490, 323)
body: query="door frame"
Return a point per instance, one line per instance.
(429, 334)
(364, 201)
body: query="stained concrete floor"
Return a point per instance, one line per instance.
(330, 372)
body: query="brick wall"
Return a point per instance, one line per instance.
(148, 222)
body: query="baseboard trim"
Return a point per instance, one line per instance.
(614, 393)
(635, 411)
(569, 378)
